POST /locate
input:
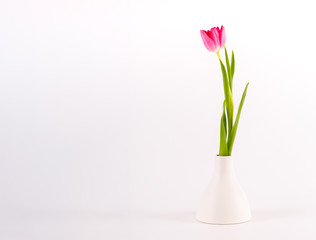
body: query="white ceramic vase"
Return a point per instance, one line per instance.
(224, 201)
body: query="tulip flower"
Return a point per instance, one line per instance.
(214, 39)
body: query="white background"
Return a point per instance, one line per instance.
(110, 117)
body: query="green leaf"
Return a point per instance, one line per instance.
(232, 67)
(224, 115)
(231, 137)
(228, 98)
(229, 71)
(223, 151)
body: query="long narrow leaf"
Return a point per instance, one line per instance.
(228, 71)
(223, 151)
(232, 67)
(231, 137)
(228, 98)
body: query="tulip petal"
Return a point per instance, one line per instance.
(208, 32)
(208, 42)
(222, 37)
(215, 37)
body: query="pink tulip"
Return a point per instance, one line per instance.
(214, 39)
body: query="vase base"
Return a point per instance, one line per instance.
(223, 223)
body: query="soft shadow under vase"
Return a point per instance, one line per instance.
(224, 201)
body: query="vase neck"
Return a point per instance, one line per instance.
(223, 167)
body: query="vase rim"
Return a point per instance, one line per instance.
(224, 157)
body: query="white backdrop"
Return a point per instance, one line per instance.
(114, 106)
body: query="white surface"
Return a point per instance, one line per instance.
(114, 106)
(279, 222)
